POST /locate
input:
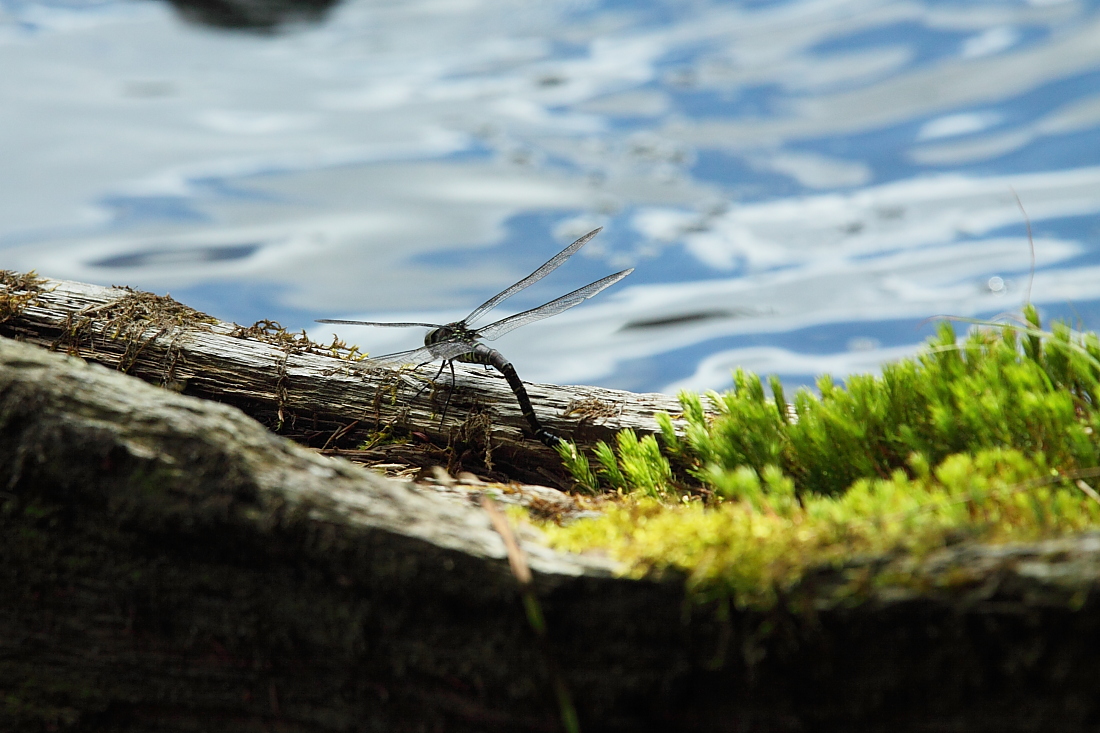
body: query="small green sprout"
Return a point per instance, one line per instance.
(578, 466)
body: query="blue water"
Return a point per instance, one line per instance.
(800, 186)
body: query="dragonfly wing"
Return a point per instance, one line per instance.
(431, 352)
(373, 323)
(450, 349)
(554, 307)
(534, 277)
(413, 356)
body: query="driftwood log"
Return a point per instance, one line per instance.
(322, 396)
(170, 564)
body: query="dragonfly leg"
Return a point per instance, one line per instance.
(446, 363)
(451, 364)
(432, 380)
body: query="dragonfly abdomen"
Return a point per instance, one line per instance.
(482, 354)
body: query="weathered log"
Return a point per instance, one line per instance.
(318, 395)
(169, 565)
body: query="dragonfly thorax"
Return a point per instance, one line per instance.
(450, 332)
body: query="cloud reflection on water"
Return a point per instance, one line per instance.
(802, 173)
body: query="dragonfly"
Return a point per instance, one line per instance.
(460, 341)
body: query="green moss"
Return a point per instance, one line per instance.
(989, 438)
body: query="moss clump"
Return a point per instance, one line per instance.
(990, 438)
(757, 546)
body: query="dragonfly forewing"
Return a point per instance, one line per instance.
(554, 307)
(552, 264)
(376, 323)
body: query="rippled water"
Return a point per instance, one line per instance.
(800, 185)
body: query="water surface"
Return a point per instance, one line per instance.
(800, 185)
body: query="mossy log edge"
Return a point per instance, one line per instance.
(168, 564)
(301, 390)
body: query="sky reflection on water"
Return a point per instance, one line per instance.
(801, 185)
